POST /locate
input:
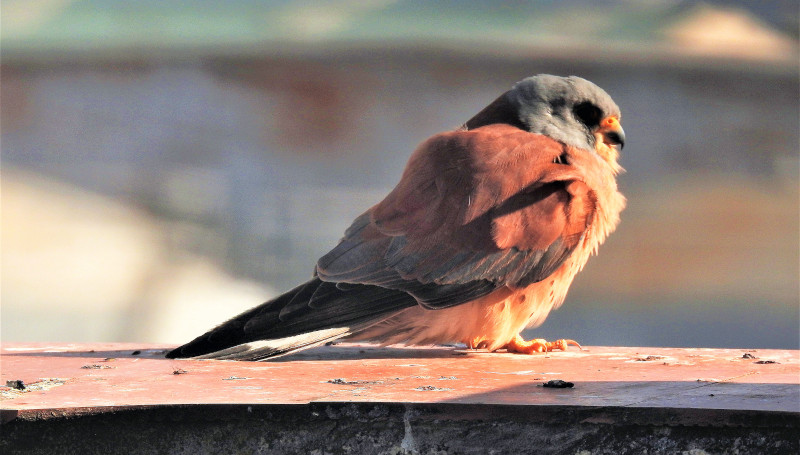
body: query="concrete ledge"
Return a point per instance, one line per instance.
(103, 398)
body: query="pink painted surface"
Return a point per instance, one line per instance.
(97, 375)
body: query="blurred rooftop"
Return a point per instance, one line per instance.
(660, 30)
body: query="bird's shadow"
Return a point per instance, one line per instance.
(337, 352)
(362, 351)
(133, 353)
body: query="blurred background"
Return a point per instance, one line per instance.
(167, 164)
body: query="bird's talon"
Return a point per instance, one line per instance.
(518, 344)
(478, 343)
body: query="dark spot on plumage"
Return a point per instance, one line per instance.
(557, 103)
(561, 159)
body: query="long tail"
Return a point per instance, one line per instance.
(309, 315)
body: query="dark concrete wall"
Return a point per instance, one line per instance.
(397, 429)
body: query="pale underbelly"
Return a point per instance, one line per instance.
(494, 319)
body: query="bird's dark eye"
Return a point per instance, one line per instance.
(588, 113)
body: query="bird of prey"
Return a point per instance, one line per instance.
(480, 239)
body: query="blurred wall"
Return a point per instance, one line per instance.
(150, 198)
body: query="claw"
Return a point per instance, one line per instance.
(562, 345)
(478, 343)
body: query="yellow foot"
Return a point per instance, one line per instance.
(538, 345)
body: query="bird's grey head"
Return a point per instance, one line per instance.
(567, 109)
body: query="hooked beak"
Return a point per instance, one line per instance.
(612, 132)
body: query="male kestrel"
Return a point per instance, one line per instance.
(480, 239)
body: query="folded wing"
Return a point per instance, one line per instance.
(475, 210)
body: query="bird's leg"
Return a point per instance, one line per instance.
(518, 344)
